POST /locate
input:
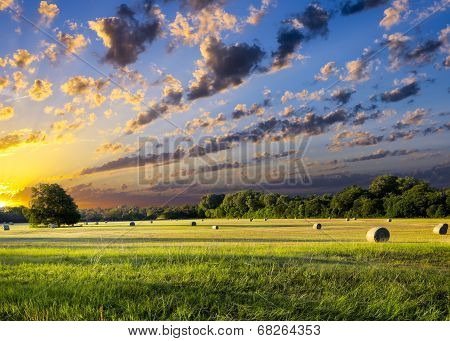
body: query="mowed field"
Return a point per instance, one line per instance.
(261, 270)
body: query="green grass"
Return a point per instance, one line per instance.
(274, 270)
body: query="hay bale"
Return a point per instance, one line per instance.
(215, 227)
(151, 221)
(389, 220)
(132, 223)
(96, 223)
(251, 219)
(317, 226)
(5, 227)
(441, 229)
(265, 219)
(348, 219)
(52, 226)
(378, 235)
(193, 223)
(86, 223)
(329, 218)
(355, 218)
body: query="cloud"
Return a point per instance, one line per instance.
(392, 15)
(406, 135)
(315, 20)
(40, 90)
(134, 161)
(4, 4)
(305, 26)
(351, 7)
(402, 53)
(288, 42)
(223, 67)
(74, 43)
(194, 28)
(22, 59)
(381, 154)
(303, 95)
(403, 92)
(415, 118)
(240, 110)
(342, 96)
(18, 138)
(20, 81)
(256, 14)
(353, 139)
(6, 112)
(86, 88)
(109, 147)
(171, 101)
(310, 124)
(326, 71)
(205, 122)
(358, 70)
(126, 37)
(48, 12)
(4, 82)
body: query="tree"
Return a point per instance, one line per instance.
(384, 185)
(50, 204)
(343, 201)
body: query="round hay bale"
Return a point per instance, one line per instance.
(441, 229)
(317, 226)
(96, 223)
(355, 218)
(378, 235)
(265, 219)
(151, 221)
(215, 227)
(348, 219)
(86, 223)
(329, 218)
(193, 223)
(251, 219)
(132, 223)
(5, 227)
(52, 226)
(389, 220)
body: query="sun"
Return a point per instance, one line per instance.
(2, 204)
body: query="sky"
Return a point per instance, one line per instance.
(159, 102)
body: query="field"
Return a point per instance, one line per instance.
(274, 270)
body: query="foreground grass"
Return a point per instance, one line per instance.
(279, 270)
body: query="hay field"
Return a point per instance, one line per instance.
(281, 269)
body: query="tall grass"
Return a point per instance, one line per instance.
(86, 276)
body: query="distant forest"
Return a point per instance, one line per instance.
(387, 196)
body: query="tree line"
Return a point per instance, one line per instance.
(386, 196)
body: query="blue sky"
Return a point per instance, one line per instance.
(84, 81)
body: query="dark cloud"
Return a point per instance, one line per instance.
(315, 20)
(423, 53)
(128, 37)
(198, 5)
(288, 42)
(342, 96)
(351, 7)
(226, 66)
(135, 161)
(398, 94)
(381, 154)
